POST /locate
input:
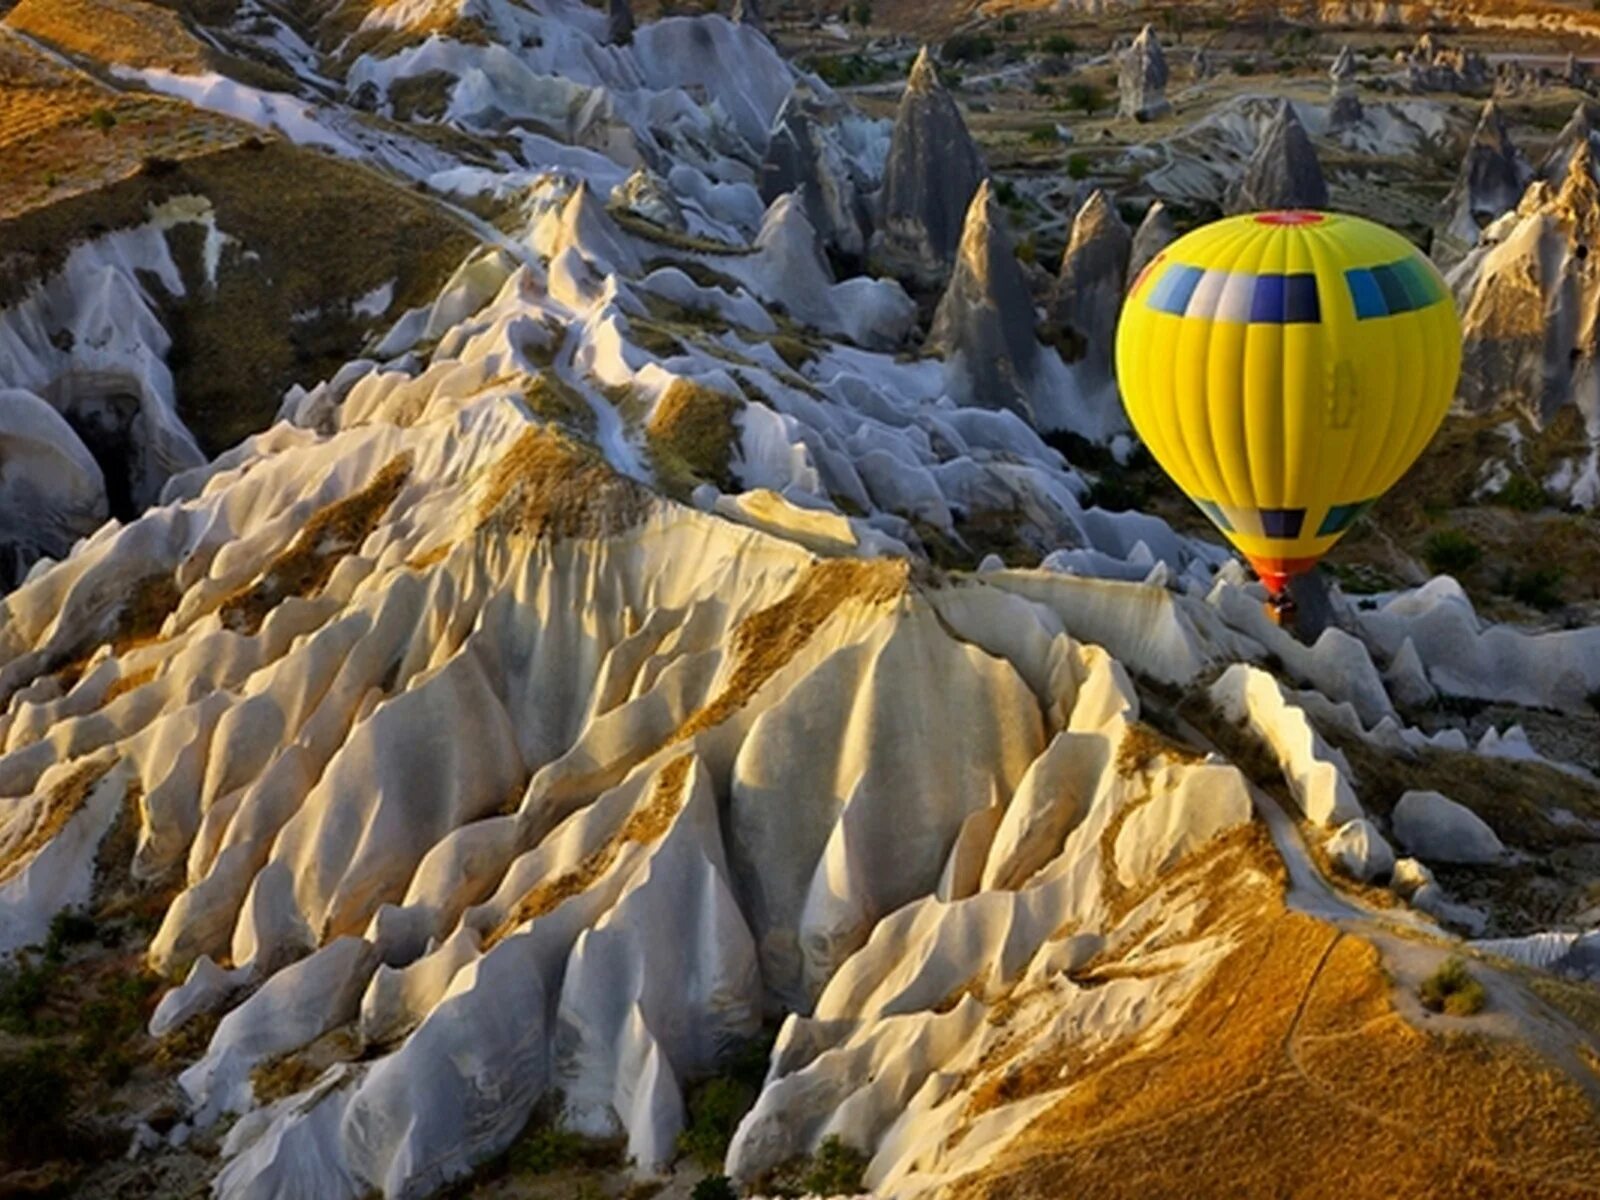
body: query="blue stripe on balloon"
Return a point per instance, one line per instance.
(1186, 291)
(1392, 289)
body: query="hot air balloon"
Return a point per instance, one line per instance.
(1286, 368)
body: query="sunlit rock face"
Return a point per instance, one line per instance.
(931, 173)
(984, 325)
(1493, 175)
(1093, 279)
(1530, 299)
(1142, 78)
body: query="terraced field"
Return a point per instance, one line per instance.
(126, 32)
(62, 132)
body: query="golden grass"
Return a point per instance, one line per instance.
(555, 400)
(127, 683)
(1292, 1074)
(646, 824)
(122, 32)
(56, 809)
(63, 133)
(691, 434)
(767, 640)
(548, 485)
(333, 533)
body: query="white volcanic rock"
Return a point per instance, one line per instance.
(1208, 802)
(1360, 851)
(1155, 233)
(984, 325)
(1579, 130)
(1316, 773)
(51, 489)
(645, 194)
(1090, 286)
(1493, 175)
(1437, 829)
(1283, 172)
(1345, 107)
(1142, 78)
(802, 158)
(929, 179)
(1529, 298)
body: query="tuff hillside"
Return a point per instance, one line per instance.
(582, 616)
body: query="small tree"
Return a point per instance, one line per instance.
(861, 13)
(1084, 96)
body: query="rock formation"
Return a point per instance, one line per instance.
(51, 490)
(1345, 109)
(1155, 233)
(645, 194)
(1142, 78)
(619, 22)
(1431, 67)
(1530, 302)
(1578, 130)
(1493, 174)
(1202, 67)
(1090, 286)
(801, 158)
(929, 179)
(984, 325)
(1284, 171)
(748, 12)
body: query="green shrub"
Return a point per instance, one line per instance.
(714, 1187)
(1043, 135)
(1078, 166)
(716, 1107)
(1059, 45)
(861, 13)
(102, 119)
(1085, 97)
(1537, 587)
(24, 987)
(33, 1107)
(836, 1169)
(1042, 87)
(1452, 989)
(548, 1149)
(1243, 66)
(1008, 23)
(1450, 552)
(1006, 192)
(966, 48)
(1522, 494)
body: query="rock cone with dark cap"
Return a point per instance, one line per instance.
(800, 158)
(619, 23)
(984, 325)
(1283, 172)
(1578, 130)
(1142, 78)
(1155, 233)
(1089, 290)
(932, 171)
(1493, 175)
(1346, 108)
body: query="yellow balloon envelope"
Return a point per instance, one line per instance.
(1286, 368)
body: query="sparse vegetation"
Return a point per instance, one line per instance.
(836, 1168)
(847, 70)
(861, 13)
(1522, 494)
(1043, 135)
(1085, 97)
(714, 1187)
(1451, 552)
(1058, 45)
(966, 48)
(1537, 587)
(715, 1108)
(1452, 990)
(1078, 167)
